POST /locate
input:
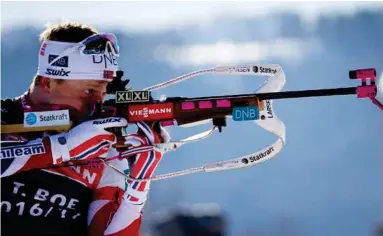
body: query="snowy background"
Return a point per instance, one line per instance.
(327, 180)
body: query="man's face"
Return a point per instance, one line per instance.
(77, 93)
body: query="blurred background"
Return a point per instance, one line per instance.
(328, 178)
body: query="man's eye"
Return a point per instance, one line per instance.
(90, 91)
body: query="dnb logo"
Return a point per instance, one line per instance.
(31, 119)
(61, 62)
(245, 113)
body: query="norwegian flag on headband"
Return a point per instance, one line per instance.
(42, 50)
(108, 74)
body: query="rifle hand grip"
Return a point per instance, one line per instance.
(120, 144)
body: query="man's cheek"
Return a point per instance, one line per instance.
(78, 103)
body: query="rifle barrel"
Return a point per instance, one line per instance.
(280, 95)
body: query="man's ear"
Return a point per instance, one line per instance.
(45, 84)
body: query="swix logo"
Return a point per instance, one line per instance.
(61, 72)
(151, 112)
(109, 120)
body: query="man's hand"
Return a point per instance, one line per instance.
(144, 164)
(85, 141)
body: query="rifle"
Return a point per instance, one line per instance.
(139, 106)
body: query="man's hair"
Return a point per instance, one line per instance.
(71, 32)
